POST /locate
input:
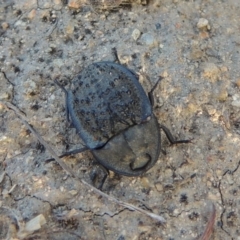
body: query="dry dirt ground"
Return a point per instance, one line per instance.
(194, 45)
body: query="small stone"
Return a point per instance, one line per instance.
(196, 53)
(75, 4)
(230, 179)
(236, 100)
(211, 71)
(4, 96)
(32, 14)
(145, 182)
(73, 192)
(222, 96)
(72, 213)
(219, 173)
(164, 74)
(144, 228)
(159, 187)
(159, 101)
(57, 2)
(224, 69)
(158, 26)
(35, 223)
(70, 29)
(5, 26)
(192, 107)
(5, 193)
(209, 183)
(161, 45)
(46, 5)
(210, 109)
(238, 82)
(136, 34)
(202, 23)
(20, 23)
(176, 212)
(148, 39)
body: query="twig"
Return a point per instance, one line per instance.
(71, 173)
(38, 136)
(209, 227)
(125, 204)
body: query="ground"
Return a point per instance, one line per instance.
(194, 46)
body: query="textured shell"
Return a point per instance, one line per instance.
(105, 99)
(133, 151)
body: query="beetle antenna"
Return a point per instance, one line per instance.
(66, 97)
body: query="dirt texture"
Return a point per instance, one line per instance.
(194, 46)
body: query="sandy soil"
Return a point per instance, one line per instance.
(194, 46)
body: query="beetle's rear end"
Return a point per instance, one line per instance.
(133, 151)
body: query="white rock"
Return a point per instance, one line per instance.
(35, 223)
(202, 22)
(136, 34)
(236, 100)
(147, 39)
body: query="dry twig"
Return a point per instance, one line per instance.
(71, 173)
(209, 227)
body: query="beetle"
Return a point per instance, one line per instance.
(113, 115)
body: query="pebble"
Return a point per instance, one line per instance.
(159, 101)
(145, 182)
(136, 34)
(5, 26)
(210, 109)
(203, 23)
(32, 14)
(159, 187)
(4, 96)
(211, 71)
(161, 45)
(57, 2)
(158, 26)
(236, 100)
(147, 39)
(20, 23)
(35, 223)
(73, 192)
(238, 82)
(74, 4)
(230, 179)
(222, 95)
(69, 29)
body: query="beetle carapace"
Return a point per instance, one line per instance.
(106, 98)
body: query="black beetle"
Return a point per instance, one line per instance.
(113, 115)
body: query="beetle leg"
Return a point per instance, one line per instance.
(99, 175)
(115, 54)
(66, 97)
(150, 94)
(170, 136)
(75, 151)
